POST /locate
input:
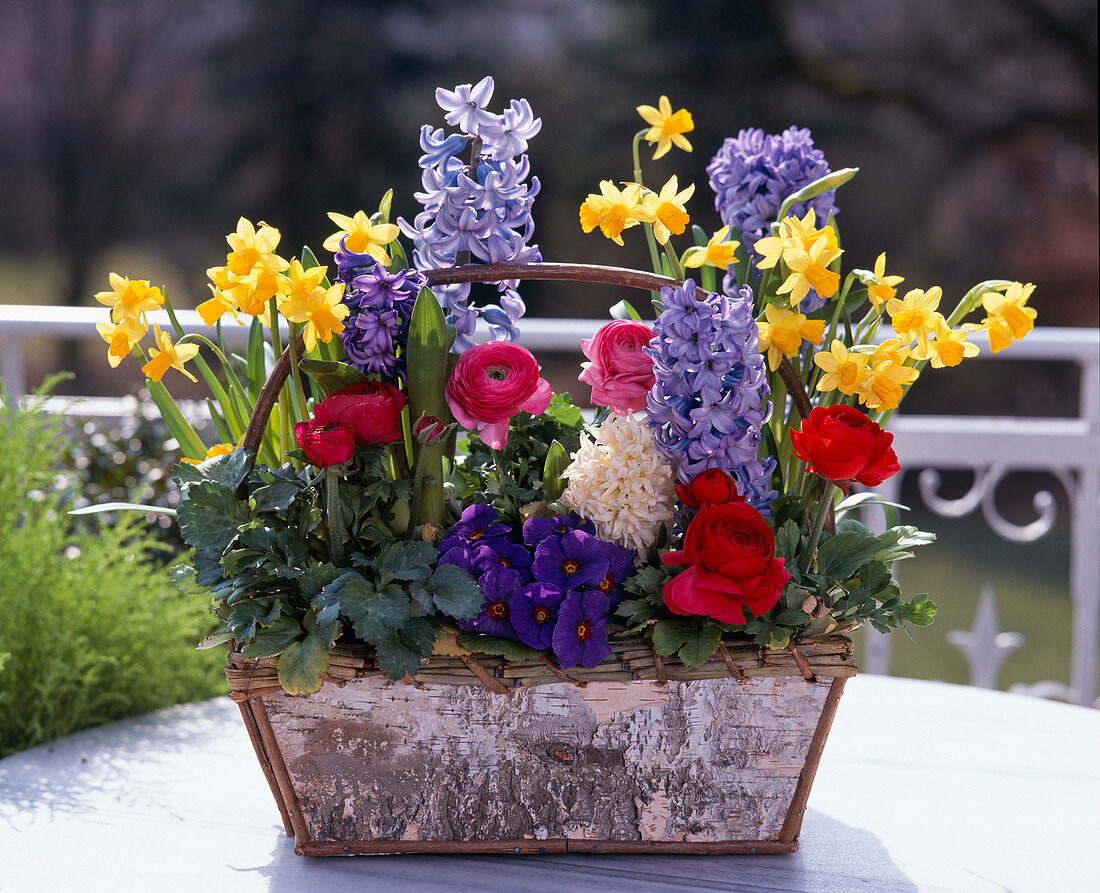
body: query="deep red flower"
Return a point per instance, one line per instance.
(841, 444)
(710, 487)
(372, 409)
(731, 550)
(325, 443)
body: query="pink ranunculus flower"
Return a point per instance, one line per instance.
(490, 384)
(620, 373)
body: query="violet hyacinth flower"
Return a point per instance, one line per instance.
(580, 634)
(376, 332)
(754, 172)
(534, 614)
(572, 561)
(476, 206)
(710, 401)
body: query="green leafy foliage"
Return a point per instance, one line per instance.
(91, 628)
(515, 477)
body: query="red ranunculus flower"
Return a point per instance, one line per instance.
(710, 487)
(620, 372)
(325, 443)
(372, 409)
(491, 383)
(731, 550)
(841, 444)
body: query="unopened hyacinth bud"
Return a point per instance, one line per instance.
(430, 431)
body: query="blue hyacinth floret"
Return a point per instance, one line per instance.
(482, 207)
(710, 401)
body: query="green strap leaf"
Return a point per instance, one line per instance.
(557, 460)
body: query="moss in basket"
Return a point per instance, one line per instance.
(91, 629)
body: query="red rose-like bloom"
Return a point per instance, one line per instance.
(841, 444)
(620, 372)
(325, 443)
(710, 487)
(372, 409)
(731, 550)
(490, 384)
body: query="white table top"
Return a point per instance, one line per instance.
(923, 786)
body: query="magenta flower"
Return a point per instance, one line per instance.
(620, 372)
(490, 384)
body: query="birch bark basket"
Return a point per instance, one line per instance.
(719, 764)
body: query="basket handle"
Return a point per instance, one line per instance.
(588, 273)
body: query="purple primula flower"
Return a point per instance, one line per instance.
(620, 565)
(495, 552)
(478, 521)
(753, 174)
(570, 561)
(534, 613)
(580, 634)
(482, 209)
(710, 401)
(494, 619)
(535, 530)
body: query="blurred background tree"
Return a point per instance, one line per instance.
(136, 133)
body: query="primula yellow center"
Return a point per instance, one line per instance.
(606, 584)
(497, 610)
(476, 534)
(569, 566)
(507, 562)
(678, 122)
(541, 615)
(847, 373)
(584, 631)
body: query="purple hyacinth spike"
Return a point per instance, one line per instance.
(710, 400)
(480, 207)
(754, 172)
(580, 634)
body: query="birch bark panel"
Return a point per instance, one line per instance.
(707, 760)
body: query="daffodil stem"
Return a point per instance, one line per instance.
(819, 524)
(674, 262)
(284, 410)
(651, 240)
(299, 391)
(332, 515)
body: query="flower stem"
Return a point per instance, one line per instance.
(651, 240)
(296, 373)
(332, 515)
(819, 523)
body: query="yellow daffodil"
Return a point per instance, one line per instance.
(915, 315)
(360, 236)
(719, 252)
(950, 346)
(1008, 316)
(130, 299)
(882, 289)
(251, 248)
(121, 338)
(810, 269)
(224, 287)
(883, 387)
(844, 371)
(666, 209)
(892, 350)
(783, 332)
(613, 211)
(299, 282)
(168, 356)
(320, 310)
(666, 126)
(218, 449)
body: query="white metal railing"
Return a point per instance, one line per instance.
(1069, 448)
